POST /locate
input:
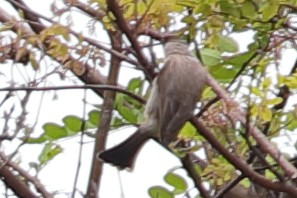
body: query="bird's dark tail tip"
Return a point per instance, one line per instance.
(124, 154)
(116, 158)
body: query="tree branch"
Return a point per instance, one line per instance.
(124, 27)
(245, 169)
(15, 184)
(188, 165)
(34, 16)
(260, 138)
(38, 186)
(90, 75)
(105, 119)
(101, 87)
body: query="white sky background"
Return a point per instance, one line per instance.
(153, 161)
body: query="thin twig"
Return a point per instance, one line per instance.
(50, 88)
(83, 126)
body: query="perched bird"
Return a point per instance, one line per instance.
(174, 94)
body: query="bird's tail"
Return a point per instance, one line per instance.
(124, 154)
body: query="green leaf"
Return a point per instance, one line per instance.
(116, 122)
(94, 117)
(292, 125)
(49, 151)
(187, 3)
(179, 184)
(227, 44)
(248, 10)
(257, 91)
(274, 101)
(269, 9)
(188, 19)
(223, 73)
(141, 7)
(229, 8)
(129, 10)
(240, 59)
(127, 114)
(126, 110)
(245, 183)
(159, 192)
(54, 131)
(73, 123)
(291, 121)
(262, 39)
(38, 140)
(135, 85)
(210, 57)
(33, 61)
(188, 131)
(270, 175)
(55, 30)
(265, 114)
(59, 30)
(202, 8)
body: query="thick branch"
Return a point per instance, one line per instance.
(105, 119)
(37, 26)
(38, 186)
(13, 181)
(15, 184)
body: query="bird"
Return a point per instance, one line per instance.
(175, 92)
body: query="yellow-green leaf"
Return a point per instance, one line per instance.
(33, 61)
(265, 114)
(176, 181)
(227, 44)
(269, 9)
(210, 57)
(159, 192)
(49, 152)
(248, 10)
(274, 101)
(188, 131)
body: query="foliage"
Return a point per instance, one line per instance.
(177, 182)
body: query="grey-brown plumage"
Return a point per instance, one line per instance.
(174, 94)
